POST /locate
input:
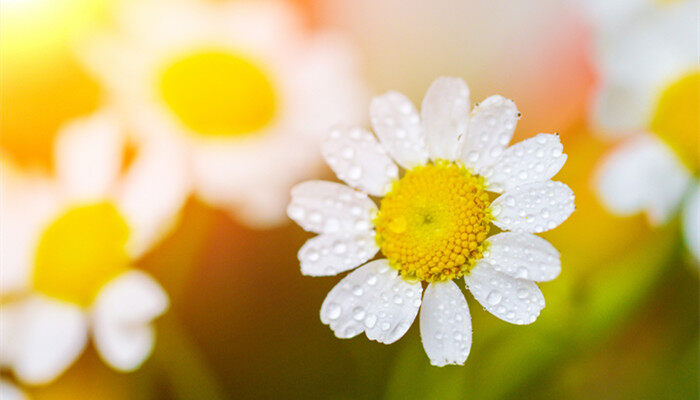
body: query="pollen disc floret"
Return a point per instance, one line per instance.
(432, 225)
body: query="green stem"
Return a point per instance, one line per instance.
(183, 364)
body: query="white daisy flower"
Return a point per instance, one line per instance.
(433, 222)
(68, 245)
(237, 84)
(642, 48)
(644, 175)
(650, 86)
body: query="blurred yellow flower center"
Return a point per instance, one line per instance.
(433, 223)
(81, 251)
(677, 118)
(217, 93)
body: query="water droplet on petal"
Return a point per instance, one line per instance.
(334, 311)
(494, 297)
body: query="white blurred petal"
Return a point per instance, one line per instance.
(642, 175)
(533, 160)
(621, 108)
(397, 125)
(123, 312)
(27, 204)
(49, 338)
(10, 331)
(88, 156)
(358, 159)
(523, 255)
(327, 207)
(445, 324)
(327, 66)
(331, 254)
(606, 13)
(445, 117)
(153, 192)
(517, 301)
(490, 130)
(373, 299)
(639, 57)
(533, 207)
(8, 391)
(691, 222)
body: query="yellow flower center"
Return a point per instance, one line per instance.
(81, 251)
(433, 223)
(217, 93)
(677, 118)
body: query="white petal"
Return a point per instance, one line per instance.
(517, 301)
(490, 130)
(373, 299)
(533, 160)
(533, 207)
(27, 204)
(8, 391)
(523, 255)
(123, 312)
(331, 254)
(445, 324)
(327, 207)
(397, 125)
(691, 223)
(644, 174)
(606, 13)
(10, 318)
(52, 334)
(153, 192)
(88, 156)
(358, 159)
(445, 115)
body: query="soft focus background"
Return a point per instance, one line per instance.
(621, 320)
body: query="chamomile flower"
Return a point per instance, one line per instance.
(237, 84)
(433, 221)
(650, 90)
(67, 250)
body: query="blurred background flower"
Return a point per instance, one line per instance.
(239, 85)
(210, 173)
(68, 244)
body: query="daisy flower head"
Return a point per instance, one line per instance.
(649, 90)
(68, 245)
(237, 84)
(434, 220)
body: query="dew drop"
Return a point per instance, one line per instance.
(358, 313)
(334, 311)
(494, 297)
(355, 172)
(370, 321)
(522, 273)
(348, 153)
(339, 248)
(357, 290)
